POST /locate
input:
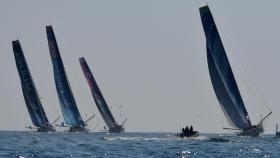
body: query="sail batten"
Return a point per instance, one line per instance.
(31, 97)
(98, 97)
(222, 77)
(67, 102)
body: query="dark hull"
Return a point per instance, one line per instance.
(101, 104)
(77, 129)
(194, 134)
(67, 101)
(30, 94)
(254, 131)
(49, 128)
(222, 77)
(117, 129)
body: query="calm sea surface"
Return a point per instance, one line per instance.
(140, 145)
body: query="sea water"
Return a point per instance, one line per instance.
(133, 145)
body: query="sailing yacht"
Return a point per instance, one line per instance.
(71, 114)
(223, 81)
(277, 133)
(31, 97)
(101, 104)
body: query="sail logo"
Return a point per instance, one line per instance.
(58, 76)
(23, 72)
(59, 80)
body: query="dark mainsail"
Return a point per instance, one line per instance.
(99, 99)
(67, 102)
(33, 103)
(221, 74)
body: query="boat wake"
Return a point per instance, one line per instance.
(221, 140)
(19, 156)
(194, 138)
(170, 138)
(136, 138)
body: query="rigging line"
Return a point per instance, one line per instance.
(36, 84)
(257, 91)
(250, 87)
(97, 123)
(39, 82)
(262, 99)
(25, 114)
(221, 118)
(41, 98)
(86, 86)
(85, 100)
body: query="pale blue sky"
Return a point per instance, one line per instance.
(148, 56)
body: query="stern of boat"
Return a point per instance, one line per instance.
(78, 129)
(254, 131)
(117, 129)
(46, 128)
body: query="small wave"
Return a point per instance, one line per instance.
(221, 140)
(186, 153)
(194, 138)
(257, 150)
(153, 138)
(136, 138)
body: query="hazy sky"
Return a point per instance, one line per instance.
(148, 56)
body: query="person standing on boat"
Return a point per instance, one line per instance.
(191, 130)
(187, 131)
(183, 131)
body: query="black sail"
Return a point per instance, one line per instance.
(99, 99)
(32, 100)
(67, 102)
(221, 74)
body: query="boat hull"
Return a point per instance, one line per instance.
(117, 129)
(254, 131)
(48, 128)
(194, 134)
(78, 129)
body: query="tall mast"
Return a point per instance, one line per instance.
(99, 99)
(31, 97)
(221, 74)
(67, 102)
